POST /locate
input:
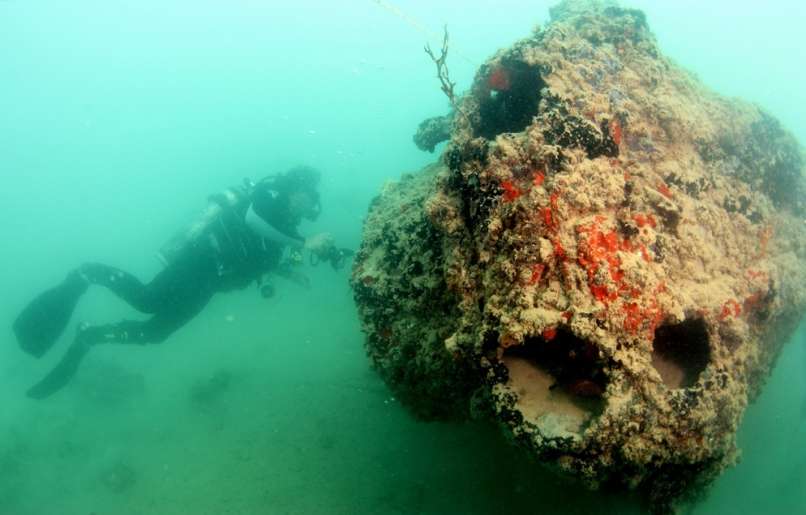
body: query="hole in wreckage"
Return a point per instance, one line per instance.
(680, 352)
(559, 383)
(508, 98)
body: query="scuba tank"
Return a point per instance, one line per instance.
(228, 200)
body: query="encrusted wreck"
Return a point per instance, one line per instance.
(606, 261)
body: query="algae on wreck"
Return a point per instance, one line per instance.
(606, 261)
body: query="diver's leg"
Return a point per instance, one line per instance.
(178, 282)
(41, 323)
(123, 284)
(187, 303)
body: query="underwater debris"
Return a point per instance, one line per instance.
(206, 391)
(118, 477)
(589, 267)
(111, 385)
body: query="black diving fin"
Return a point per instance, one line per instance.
(43, 320)
(62, 373)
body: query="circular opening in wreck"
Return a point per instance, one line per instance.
(508, 99)
(680, 352)
(560, 383)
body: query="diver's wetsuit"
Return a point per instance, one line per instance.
(227, 255)
(177, 294)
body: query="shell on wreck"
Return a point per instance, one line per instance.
(606, 261)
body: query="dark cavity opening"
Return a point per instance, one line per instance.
(681, 352)
(573, 364)
(508, 98)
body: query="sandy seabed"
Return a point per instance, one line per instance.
(271, 407)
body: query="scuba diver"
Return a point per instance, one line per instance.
(240, 238)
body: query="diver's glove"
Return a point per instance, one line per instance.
(319, 243)
(323, 248)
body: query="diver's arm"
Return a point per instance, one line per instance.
(270, 232)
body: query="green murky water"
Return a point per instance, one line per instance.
(117, 119)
